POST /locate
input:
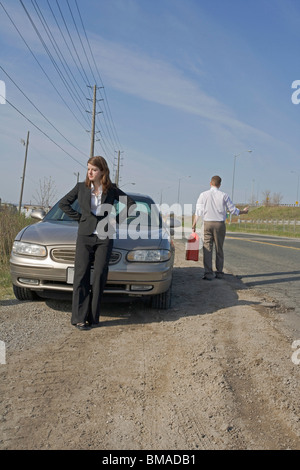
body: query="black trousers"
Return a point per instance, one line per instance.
(86, 296)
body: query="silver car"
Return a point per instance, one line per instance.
(141, 263)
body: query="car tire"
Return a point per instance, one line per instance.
(163, 300)
(22, 293)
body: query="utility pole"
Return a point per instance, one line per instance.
(93, 123)
(24, 169)
(94, 119)
(118, 170)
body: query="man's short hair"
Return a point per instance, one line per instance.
(216, 181)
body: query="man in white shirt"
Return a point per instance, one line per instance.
(212, 206)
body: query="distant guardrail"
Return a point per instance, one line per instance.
(275, 226)
(269, 221)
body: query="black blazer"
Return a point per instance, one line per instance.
(87, 220)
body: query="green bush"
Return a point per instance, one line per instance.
(11, 222)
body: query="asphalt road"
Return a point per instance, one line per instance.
(269, 264)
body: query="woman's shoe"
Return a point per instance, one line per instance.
(82, 326)
(93, 324)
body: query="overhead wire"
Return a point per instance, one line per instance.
(108, 143)
(106, 104)
(31, 102)
(82, 74)
(68, 88)
(72, 42)
(101, 82)
(52, 42)
(103, 144)
(64, 39)
(43, 132)
(90, 67)
(83, 48)
(99, 76)
(57, 49)
(41, 67)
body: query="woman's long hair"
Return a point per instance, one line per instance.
(101, 163)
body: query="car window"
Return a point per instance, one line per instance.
(145, 213)
(57, 214)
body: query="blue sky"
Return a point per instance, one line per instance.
(188, 84)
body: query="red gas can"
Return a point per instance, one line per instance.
(192, 247)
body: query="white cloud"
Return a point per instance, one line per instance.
(157, 81)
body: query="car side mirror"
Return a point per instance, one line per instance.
(38, 214)
(171, 222)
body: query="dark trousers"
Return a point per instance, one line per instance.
(86, 296)
(214, 234)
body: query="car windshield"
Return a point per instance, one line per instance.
(145, 214)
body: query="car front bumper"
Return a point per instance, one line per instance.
(134, 279)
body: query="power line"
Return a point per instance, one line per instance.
(109, 138)
(51, 57)
(56, 46)
(72, 42)
(45, 134)
(53, 42)
(103, 143)
(96, 67)
(88, 61)
(42, 68)
(57, 49)
(83, 48)
(31, 102)
(65, 41)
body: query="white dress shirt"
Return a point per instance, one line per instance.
(95, 200)
(212, 205)
(96, 203)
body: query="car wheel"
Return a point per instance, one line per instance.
(163, 300)
(22, 293)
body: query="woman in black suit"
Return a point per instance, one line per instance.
(96, 197)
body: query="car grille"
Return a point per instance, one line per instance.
(114, 257)
(63, 255)
(67, 255)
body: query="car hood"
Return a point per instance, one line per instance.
(49, 233)
(65, 233)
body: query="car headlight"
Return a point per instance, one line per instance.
(148, 256)
(29, 249)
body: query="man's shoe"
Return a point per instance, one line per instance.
(207, 278)
(219, 276)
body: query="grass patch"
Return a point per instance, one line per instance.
(264, 229)
(11, 222)
(273, 212)
(6, 290)
(6, 293)
(279, 221)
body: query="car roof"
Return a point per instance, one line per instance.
(140, 196)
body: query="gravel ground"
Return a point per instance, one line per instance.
(216, 371)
